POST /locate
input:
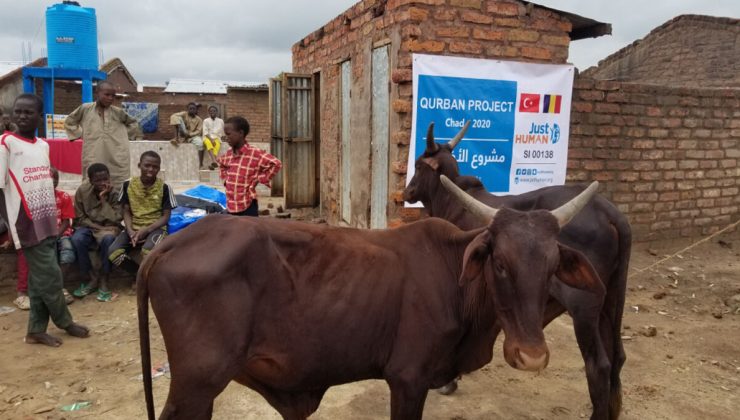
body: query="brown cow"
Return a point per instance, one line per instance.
(599, 231)
(291, 309)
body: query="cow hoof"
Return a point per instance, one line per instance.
(448, 389)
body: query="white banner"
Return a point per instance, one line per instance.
(519, 113)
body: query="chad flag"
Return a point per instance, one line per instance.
(551, 104)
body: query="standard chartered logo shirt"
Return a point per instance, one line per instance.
(27, 201)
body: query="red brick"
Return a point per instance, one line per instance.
(401, 75)
(523, 35)
(505, 9)
(466, 47)
(472, 4)
(444, 14)
(536, 53)
(418, 15)
(607, 108)
(559, 40)
(453, 31)
(509, 22)
(475, 17)
(591, 95)
(423, 46)
(488, 34)
(401, 106)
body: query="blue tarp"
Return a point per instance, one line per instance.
(207, 193)
(203, 199)
(182, 217)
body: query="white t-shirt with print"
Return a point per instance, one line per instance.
(27, 201)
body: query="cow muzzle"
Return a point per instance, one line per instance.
(533, 359)
(409, 194)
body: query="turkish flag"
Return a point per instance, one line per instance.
(529, 102)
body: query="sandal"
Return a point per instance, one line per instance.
(83, 290)
(23, 302)
(106, 296)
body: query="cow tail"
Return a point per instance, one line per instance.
(142, 298)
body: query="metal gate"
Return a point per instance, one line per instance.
(292, 138)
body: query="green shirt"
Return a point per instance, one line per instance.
(147, 203)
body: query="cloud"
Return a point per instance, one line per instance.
(251, 40)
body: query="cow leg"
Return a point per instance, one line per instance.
(407, 400)
(193, 388)
(586, 323)
(611, 335)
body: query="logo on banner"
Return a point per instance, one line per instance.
(529, 102)
(551, 104)
(539, 134)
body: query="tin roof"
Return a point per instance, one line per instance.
(209, 86)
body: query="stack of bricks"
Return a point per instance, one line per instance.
(669, 157)
(492, 29)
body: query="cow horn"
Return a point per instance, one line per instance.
(480, 210)
(568, 211)
(431, 145)
(459, 136)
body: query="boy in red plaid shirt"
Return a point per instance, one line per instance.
(243, 167)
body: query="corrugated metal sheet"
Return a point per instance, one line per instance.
(209, 86)
(276, 131)
(299, 146)
(380, 139)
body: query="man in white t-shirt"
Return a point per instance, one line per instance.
(213, 131)
(28, 204)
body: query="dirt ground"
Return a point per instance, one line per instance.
(681, 330)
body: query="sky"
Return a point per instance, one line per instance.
(250, 40)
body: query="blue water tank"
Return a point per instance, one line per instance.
(72, 36)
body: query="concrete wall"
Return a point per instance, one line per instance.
(502, 29)
(697, 51)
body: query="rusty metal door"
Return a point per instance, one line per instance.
(291, 103)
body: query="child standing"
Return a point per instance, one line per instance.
(243, 167)
(27, 203)
(213, 131)
(147, 203)
(98, 223)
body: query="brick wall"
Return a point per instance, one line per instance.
(669, 158)
(689, 50)
(251, 104)
(504, 29)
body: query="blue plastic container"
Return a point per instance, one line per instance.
(72, 37)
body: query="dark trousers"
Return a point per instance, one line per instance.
(122, 245)
(45, 287)
(83, 240)
(253, 210)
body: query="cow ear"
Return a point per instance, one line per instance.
(431, 162)
(476, 254)
(576, 271)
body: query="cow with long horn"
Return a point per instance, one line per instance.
(415, 306)
(600, 231)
